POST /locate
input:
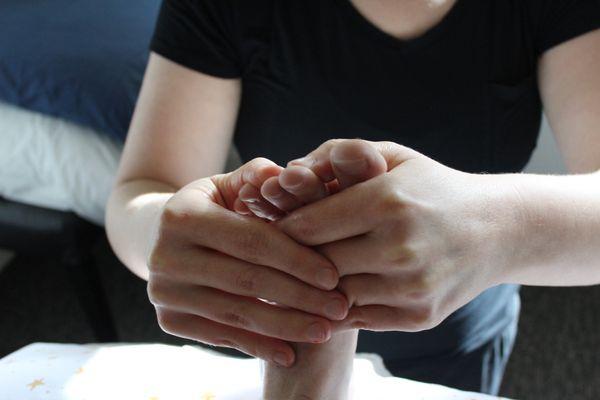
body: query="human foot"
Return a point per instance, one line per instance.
(321, 371)
(326, 171)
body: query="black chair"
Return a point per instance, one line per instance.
(41, 232)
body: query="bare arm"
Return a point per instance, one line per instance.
(181, 131)
(169, 220)
(563, 212)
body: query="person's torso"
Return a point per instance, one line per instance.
(463, 93)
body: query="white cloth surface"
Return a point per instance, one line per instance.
(160, 372)
(52, 163)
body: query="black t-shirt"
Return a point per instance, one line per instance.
(464, 93)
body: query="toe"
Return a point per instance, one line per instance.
(303, 183)
(355, 161)
(272, 191)
(255, 202)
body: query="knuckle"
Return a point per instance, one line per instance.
(302, 228)
(156, 260)
(296, 297)
(155, 293)
(260, 161)
(397, 255)
(345, 288)
(237, 316)
(252, 246)
(247, 347)
(428, 281)
(157, 257)
(332, 142)
(223, 342)
(166, 321)
(283, 330)
(418, 295)
(172, 216)
(360, 324)
(359, 321)
(424, 318)
(391, 201)
(248, 280)
(422, 288)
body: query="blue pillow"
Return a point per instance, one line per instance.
(80, 60)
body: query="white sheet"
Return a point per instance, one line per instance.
(161, 372)
(52, 163)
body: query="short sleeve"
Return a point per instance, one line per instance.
(560, 20)
(198, 34)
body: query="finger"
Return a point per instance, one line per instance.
(383, 318)
(209, 332)
(204, 267)
(303, 183)
(355, 161)
(351, 212)
(272, 191)
(369, 254)
(251, 314)
(386, 290)
(255, 202)
(253, 240)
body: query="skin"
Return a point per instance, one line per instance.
(163, 193)
(321, 370)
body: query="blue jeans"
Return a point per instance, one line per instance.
(477, 367)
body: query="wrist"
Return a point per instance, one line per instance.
(559, 242)
(505, 221)
(548, 228)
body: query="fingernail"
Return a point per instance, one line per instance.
(281, 359)
(335, 309)
(327, 278)
(316, 333)
(349, 166)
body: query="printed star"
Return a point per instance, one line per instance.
(35, 383)
(208, 396)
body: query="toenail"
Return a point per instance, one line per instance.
(307, 161)
(350, 166)
(274, 195)
(294, 183)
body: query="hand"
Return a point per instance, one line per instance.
(321, 371)
(210, 266)
(412, 245)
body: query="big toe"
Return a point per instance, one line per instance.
(355, 161)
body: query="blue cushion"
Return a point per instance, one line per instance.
(81, 60)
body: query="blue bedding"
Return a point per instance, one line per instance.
(81, 60)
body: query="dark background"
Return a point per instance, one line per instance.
(556, 356)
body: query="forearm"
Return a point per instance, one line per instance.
(321, 371)
(131, 214)
(556, 230)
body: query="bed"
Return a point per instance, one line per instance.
(53, 163)
(70, 72)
